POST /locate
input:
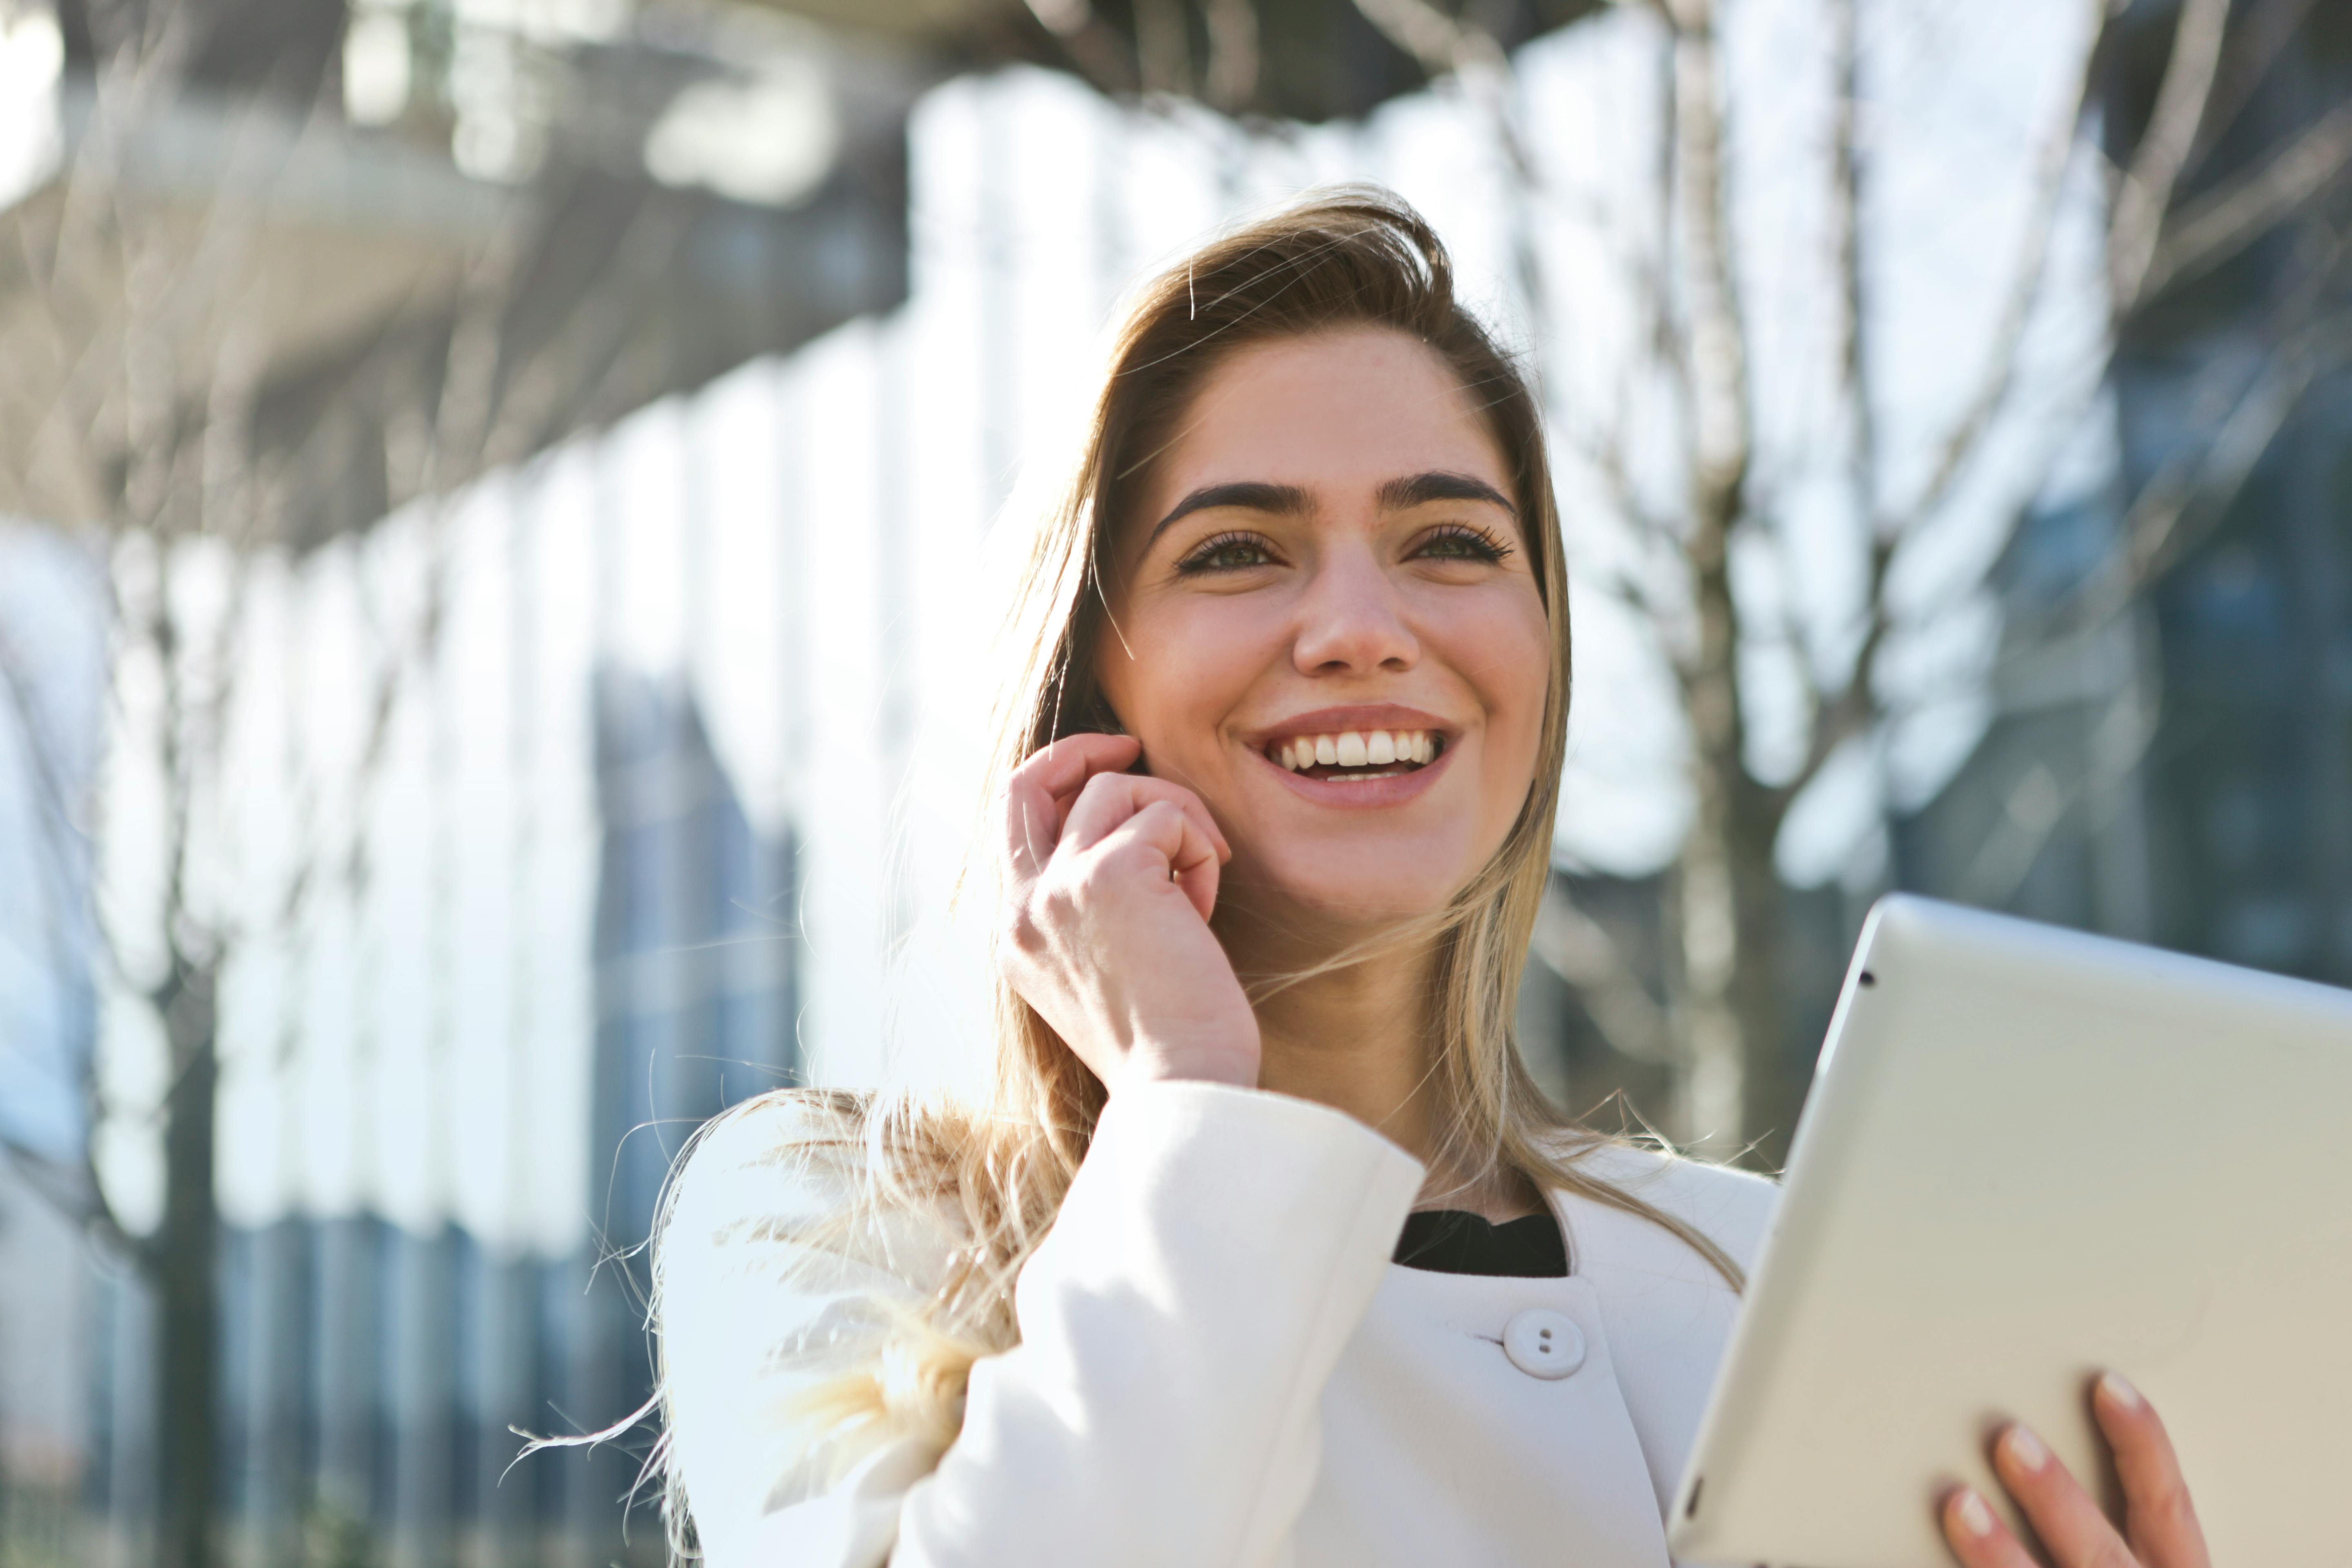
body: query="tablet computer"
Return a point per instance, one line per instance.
(2030, 1155)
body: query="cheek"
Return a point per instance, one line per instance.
(1175, 667)
(1502, 646)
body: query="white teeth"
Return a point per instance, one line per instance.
(1356, 749)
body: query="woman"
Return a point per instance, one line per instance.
(1262, 1248)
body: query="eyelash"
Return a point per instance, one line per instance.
(1202, 554)
(1480, 545)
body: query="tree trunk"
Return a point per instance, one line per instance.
(183, 1268)
(1728, 897)
(1729, 906)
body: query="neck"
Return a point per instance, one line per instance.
(1361, 1039)
(1357, 1039)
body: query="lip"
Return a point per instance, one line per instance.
(1364, 794)
(1375, 716)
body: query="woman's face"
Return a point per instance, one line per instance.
(1327, 628)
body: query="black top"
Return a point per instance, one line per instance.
(1454, 1241)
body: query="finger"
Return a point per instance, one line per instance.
(2069, 1523)
(1064, 767)
(1031, 827)
(2159, 1520)
(1976, 1536)
(1168, 833)
(1110, 799)
(1037, 793)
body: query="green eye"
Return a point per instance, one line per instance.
(1457, 543)
(1227, 553)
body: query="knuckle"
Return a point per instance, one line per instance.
(1175, 796)
(2169, 1504)
(1124, 855)
(1066, 899)
(1161, 813)
(1020, 931)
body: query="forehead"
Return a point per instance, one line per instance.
(1335, 414)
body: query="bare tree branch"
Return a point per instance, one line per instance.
(73, 1189)
(2026, 280)
(2266, 30)
(2177, 509)
(1852, 305)
(2188, 84)
(2190, 496)
(1851, 335)
(2187, 496)
(2037, 804)
(1580, 950)
(1855, 710)
(1163, 44)
(1441, 43)
(1093, 46)
(1234, 63)
(2223, 223)
(1721, 436)
(2144, 194)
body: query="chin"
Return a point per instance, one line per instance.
(1369, 890)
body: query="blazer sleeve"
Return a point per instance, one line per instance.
(1213, 1256)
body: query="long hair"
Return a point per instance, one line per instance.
(992, 1169)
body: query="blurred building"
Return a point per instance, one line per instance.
(52, 595)
(45, 1362)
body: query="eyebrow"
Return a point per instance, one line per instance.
(1250, 495)
(1394, 495)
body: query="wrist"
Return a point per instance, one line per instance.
(1235, 1063)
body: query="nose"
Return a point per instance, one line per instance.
(1352, 620)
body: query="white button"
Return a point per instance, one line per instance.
(1544, 1343)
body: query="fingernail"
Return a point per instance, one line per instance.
(2025, 1449)
(1975, 1517)
(2119, 1390)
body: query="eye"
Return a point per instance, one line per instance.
(1460, 542)
(1227, 553)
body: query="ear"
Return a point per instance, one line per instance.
(1102, 719)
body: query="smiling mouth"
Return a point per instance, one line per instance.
(1358, 756)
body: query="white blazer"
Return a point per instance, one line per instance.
(1219, 1366)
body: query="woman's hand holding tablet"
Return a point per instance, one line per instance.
(2033, 1160)
(2159, 1524)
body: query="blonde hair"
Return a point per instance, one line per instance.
(996, 1172)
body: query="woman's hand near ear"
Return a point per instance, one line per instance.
(1108, 881)
(2159, 1525)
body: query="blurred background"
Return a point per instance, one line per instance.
(496, 502)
